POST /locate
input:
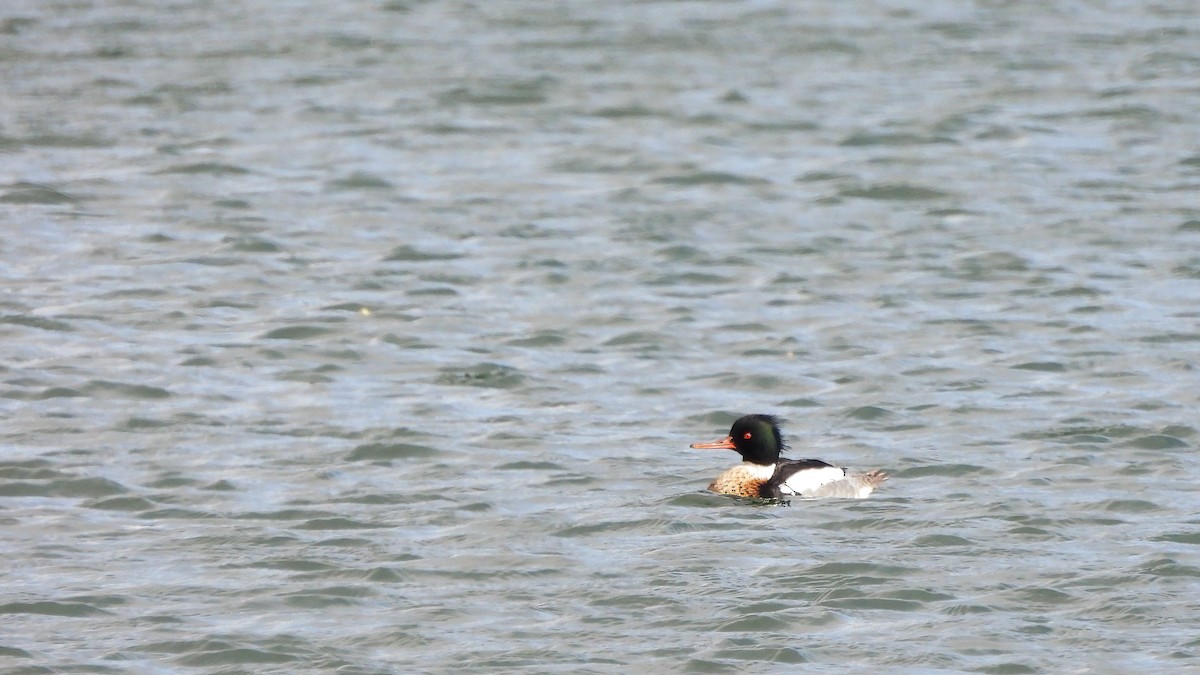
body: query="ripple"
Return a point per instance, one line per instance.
(966, 610)
(864, 138)
(487, 375)
(614, 526)
(38, 322)
(705, 500)
(857, 570)
(176, 513)
(548, 338)
(953, 470)
(57, 392)
(1041, 366)
(942, 541)
(408, 253)
(643, 339)
(868, 413)
(121, 504)
(336, 523)
(1168, 567)
(755, 623)
(250, 244)
(286, 514)
(390, 451)
(209, 168)
(710, 178)
(1034, 597)
(86, 487)
(894, 192)
(890, 604)
(359, 180)
(1192, 538)
(1128, 506)
(330, 596)
(1157, 442)
(1169, 338)
(53, 608)
(29, 469)
(125, 390)
(511, 92)
(32, 193)
(213, 654)
(296, 333)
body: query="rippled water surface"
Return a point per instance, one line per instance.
(370, 336)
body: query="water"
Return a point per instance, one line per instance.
(370, 336)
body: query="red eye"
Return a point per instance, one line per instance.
(747, 435)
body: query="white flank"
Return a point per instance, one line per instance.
(807, 482)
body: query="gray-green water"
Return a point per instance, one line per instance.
(370, 336)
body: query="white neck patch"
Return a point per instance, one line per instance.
(759, 471)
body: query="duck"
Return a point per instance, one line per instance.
(764, 474)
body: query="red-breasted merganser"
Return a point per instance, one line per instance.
(764, 474)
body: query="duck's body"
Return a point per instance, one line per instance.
(808, 478)
(764, 474)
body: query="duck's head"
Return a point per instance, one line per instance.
(755, 437)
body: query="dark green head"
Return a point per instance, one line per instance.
(755, 437)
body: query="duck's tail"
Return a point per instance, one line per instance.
(874, 477)
(853, 486)
(867, 482)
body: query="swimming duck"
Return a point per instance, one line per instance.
(764, 474)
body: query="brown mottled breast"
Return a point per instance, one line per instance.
(743, 480)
